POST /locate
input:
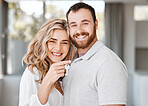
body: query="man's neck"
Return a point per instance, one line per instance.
(81, 52)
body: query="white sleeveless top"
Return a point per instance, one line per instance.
(29, 89)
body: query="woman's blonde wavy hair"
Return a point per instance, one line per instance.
(36, 55)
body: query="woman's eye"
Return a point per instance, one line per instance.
(52, 41)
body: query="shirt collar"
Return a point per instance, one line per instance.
(96, 46)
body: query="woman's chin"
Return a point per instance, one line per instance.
(56, 61)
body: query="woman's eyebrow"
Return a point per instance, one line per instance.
(66, 40)
(56, 39)
(53, 39)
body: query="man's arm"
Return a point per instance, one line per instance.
(112, 84)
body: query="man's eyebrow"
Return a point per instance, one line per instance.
(72, 23)
(85, 20)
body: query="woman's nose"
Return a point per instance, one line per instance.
(58, 47)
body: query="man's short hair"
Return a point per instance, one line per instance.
(81, 5)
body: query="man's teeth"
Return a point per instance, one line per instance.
(80, 37)
(57, 54)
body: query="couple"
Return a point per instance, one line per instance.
(96, 77)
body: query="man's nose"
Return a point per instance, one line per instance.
(79, 29)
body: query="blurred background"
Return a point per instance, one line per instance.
(123, 27)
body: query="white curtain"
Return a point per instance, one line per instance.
(114, 27)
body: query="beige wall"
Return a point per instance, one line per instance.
(10, 92)
(142, 34)
(142, 45)
(1, 96)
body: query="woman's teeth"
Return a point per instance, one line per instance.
(56, 54)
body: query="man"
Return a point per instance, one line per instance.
(97, 76)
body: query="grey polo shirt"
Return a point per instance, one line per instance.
(97, 78)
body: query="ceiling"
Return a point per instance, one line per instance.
(128, 1)
(107, 1)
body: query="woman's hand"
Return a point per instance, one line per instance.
(55, 71)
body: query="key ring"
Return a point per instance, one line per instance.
(67, 69)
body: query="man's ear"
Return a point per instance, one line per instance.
(96, 23)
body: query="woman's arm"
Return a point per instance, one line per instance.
(34, 94)
(28, 89)
(56, 71)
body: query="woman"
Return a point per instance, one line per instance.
(46, 57)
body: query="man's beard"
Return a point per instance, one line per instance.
(83, 44)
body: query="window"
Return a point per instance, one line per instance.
(24, 20)
(141, 12)
(26, 17)
(58, 9)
